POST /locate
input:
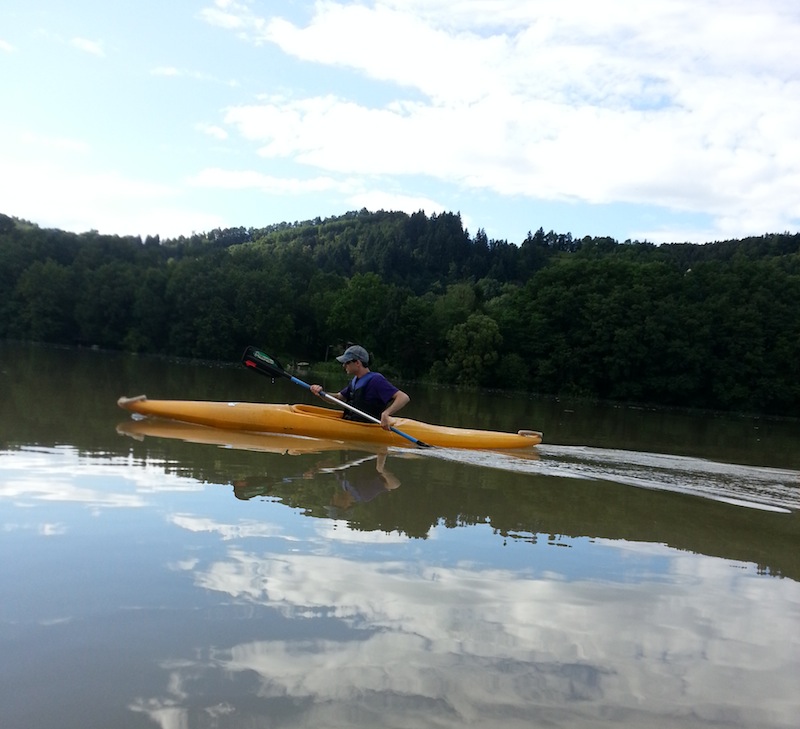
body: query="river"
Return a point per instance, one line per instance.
(639, 568)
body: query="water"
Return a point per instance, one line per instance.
(639, 568)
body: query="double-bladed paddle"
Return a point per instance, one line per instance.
(262, 363)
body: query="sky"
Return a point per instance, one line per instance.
(665, 121)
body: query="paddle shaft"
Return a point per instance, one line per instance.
(252, 360)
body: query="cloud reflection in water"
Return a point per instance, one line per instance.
(64, 475)
(380, 633)
(465, 645)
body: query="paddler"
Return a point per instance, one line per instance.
(367, 391)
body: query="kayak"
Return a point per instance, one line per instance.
(318, 422)
(286, 445)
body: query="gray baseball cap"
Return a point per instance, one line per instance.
(354, 352)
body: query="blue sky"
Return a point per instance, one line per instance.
(666, 120)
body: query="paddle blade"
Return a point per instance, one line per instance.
(262, 363)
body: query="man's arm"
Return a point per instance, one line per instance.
(400, 400)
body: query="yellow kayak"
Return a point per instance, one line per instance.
(318, 422)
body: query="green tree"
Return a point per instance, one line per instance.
(366, 311)
(46, 301)
(473, 351)
(104, 309)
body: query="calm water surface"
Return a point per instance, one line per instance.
(640, 568)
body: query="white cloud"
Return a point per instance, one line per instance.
(212, 130)
(432, 634)
(63, 475)
(249, 179)
(669, 110)
(166, 71)
(52, 529)
(89, 46)
(245, 529)
(229, 15)
(332, 530)
(174, 72)
(382, 200)
(108, 202)
(685, 106)
(354, 191)
(53, 489)
(55, 144)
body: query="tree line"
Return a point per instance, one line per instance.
(713, 326)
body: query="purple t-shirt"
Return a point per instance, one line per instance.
(371, 393)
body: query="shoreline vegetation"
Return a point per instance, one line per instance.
(712, 326)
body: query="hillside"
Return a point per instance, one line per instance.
(712, 326)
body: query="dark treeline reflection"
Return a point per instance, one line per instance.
(427, 492)
(712, 326)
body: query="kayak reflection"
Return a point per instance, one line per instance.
(355, 481)
(265, 442)
(359, 482)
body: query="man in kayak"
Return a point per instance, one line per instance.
(367, 391)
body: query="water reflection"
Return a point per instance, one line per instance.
(323, 621)
(456, 645)
(521, 494)
(290, 445)
(357, 481)
(62, 475)
(157, 579)
(770, 489)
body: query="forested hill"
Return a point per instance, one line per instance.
(710, 326)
